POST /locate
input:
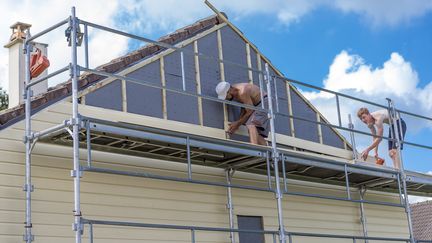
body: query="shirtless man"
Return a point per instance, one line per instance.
(375, 121)
(257, 122)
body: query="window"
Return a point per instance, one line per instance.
(250, 223)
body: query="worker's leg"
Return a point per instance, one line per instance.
(395, 157)
(253, 134)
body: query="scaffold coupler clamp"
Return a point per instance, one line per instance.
(28, 237)
(74, 173)
(24, 94)
(77, 121)
(78, 227)
(28, 138)
(28, 187)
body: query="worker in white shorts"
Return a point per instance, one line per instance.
(256, 121)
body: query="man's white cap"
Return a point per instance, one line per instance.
(222, 89)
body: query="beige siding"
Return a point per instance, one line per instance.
(112, 197)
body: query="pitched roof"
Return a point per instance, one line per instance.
(63, 90)
(421, 214)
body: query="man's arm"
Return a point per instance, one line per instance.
(244, 115)
(376, 140)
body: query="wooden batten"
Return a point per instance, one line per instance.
(290, 110)
(198, 83)
(124, 96)
(320, 135)
(222, 73)
(163, 81)
(249, 63)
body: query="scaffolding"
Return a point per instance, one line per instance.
(274, 162)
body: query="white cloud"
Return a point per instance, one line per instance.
(386, 12)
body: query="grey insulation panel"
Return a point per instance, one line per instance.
(209, 78)
(142, 99)
(331, 138)
(180, 107)
(282, 123)
(234, 51)
(304, 129)
(109, 96)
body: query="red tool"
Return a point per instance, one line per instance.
(379, 161)
(38, 63)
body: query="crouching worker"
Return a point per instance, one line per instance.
(375, 121)
(257, 122)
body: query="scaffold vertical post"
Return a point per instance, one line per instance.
(338, 110)
(192, 235)
(188, 156)
(261, 86)
(352, 136)
(229, 174)
(28, 187)
(276, 94)
(88, 140)
(76, 173)
(91, 233)
(362, 192)
(275, 156)
(86, 55)
(396, 129)
(347, 185)
(285, 183)
(269, 179)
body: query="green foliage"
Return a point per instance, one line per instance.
(4, 99)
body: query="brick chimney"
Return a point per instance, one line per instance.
(17, 64)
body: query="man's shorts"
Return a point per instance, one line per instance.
(260, 120)
(401, 134)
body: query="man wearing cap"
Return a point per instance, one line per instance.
(257, 122)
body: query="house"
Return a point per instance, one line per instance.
(422, 220)
(133, 127)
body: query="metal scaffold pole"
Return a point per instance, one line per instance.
(28, 187)
(362, 192)
(76, 173)
(352, 137)
(230, 207)
(396, 129)
(275, 156)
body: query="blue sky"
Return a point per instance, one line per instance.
(371, 49)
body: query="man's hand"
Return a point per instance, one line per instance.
(365, 154)
(233, 127)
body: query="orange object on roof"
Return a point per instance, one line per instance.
(38, 63)
(379, 161)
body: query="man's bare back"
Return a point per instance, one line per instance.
(248, 93)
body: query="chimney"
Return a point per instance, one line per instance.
(17, 64)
